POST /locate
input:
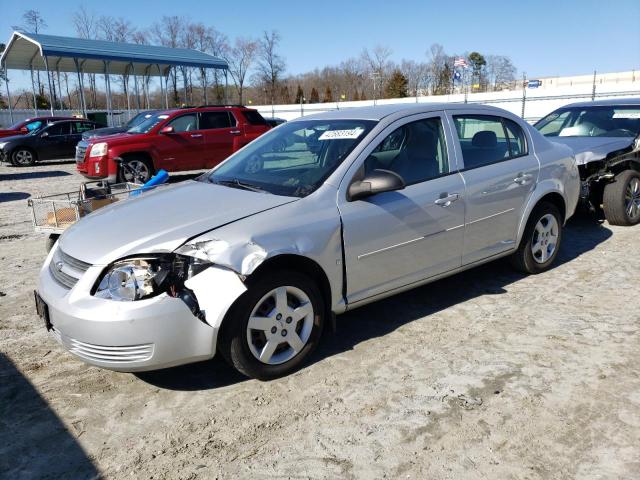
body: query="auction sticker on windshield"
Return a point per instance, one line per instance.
(341, 134)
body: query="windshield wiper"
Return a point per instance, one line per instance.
(235, 183)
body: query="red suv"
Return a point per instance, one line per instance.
(174, 140)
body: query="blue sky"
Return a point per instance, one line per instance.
(542, 37)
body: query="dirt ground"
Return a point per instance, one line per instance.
(485, 375)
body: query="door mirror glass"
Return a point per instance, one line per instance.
(166, 130)
(377, 181)
(24, 130)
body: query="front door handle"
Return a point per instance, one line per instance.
(235, 132)
(196, 135)
(522, 178)
(446, 200)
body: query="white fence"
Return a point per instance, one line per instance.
(535, 104)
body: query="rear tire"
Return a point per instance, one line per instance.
(621, 199)
(23, 157)
(269, 334)
(541, 240)
(51, 241)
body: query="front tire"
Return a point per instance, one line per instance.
(23, 157)
(273, 328)
(136, 170)
(621, 199)
(541, 240)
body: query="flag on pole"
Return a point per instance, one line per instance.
(460, 62)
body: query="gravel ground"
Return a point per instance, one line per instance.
(487, 374)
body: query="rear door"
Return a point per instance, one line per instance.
(220, 132)
(182, 149)
(500, 173)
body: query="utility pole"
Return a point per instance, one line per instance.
(593, 91)
(374, 77)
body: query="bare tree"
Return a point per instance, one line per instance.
(33, 22)
(440, 70)
(241, 58)
(415, 73)
(271, 65)
(167, 32)
(86, 27)
(500, 71)
(117, 30)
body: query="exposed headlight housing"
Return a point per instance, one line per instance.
(98, 150)
(145, 277)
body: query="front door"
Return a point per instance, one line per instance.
(394, 239)
(500, 174)
(54, 143)
(182, 148)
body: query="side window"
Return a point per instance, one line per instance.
(79, 127)
(211, 120)
(554, 124)
(254, 117)
(184, 123)
(416, 151)
(484, 139)
(58, 129)
(517, 142)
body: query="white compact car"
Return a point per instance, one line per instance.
(319, 216)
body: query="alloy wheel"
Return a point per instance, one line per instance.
(632, 199)
(136, 171)
(280, 325)
(23, 157)
(545, 238)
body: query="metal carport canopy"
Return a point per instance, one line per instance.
(28, 50)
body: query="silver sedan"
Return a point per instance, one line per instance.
(318, 216)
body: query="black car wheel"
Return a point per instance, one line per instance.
(23, 157)
(621, 199)
(136, 171)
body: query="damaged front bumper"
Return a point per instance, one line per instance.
(140, 335)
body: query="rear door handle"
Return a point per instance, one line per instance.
(235, 132)
(196, 135)
(446, 200)
(522, 178)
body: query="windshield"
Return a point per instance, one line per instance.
(293, 160)
(139, 118)
(149, 123)
(596, 121)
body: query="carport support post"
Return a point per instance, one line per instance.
(6, 84)
(83, 104)
(46, 67)
(166, 90)
(33, 90)
(108, 86)
(161, 87)
(135, 85)
(226, 85)
(204, 84)
(59, 88)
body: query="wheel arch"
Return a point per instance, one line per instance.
(554, 197)
(33, 151)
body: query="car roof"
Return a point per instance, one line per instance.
(379, 112)
(609, 102)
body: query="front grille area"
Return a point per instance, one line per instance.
(66, 270)
(81, 149)
(101, 353)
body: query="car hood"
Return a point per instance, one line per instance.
(590, 149)
(101, 132)
(160, 221)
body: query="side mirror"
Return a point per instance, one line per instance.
(166, 130)
(375, 182)
(44, 134)
(24, 130)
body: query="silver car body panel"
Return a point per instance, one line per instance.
(392, 241)
(592, 149)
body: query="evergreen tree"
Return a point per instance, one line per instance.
(315, 96)
(284, 95)
(396, 86)
(328, 95)
(299, 95)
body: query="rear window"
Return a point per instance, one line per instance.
(254, 117)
